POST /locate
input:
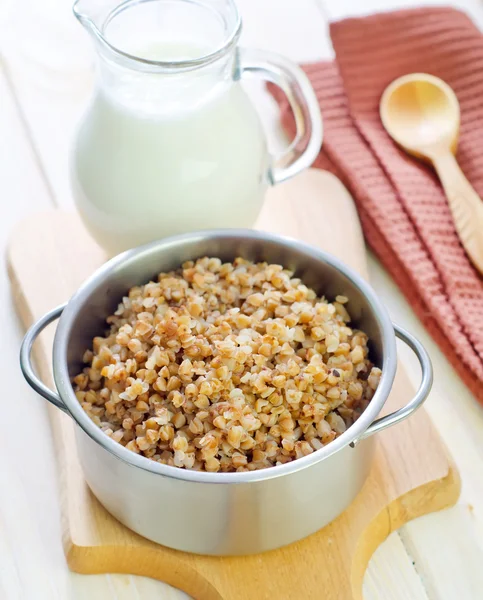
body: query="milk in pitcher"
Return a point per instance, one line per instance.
(167, 159)
(171, 143)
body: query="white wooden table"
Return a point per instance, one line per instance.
(45, 79)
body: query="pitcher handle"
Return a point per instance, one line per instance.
(295, 84)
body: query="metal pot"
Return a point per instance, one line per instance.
(223, 513)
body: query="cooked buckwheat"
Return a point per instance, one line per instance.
(226, 367)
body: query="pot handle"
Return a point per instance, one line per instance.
(26, 358)
(421, 394)
(290, 78)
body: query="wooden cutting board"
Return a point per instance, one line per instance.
(51, 254)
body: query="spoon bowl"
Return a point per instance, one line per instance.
(421, 113)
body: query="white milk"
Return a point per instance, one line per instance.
(156, 156)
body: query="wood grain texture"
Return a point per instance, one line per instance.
(465, 204)
(411, 476)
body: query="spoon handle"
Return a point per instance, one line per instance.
(465, 204)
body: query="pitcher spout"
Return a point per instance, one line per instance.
(94, 14)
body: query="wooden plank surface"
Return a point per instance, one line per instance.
(49, 67)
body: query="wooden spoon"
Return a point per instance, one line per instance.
(422, 114)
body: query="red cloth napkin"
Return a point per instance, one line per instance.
(403, 210)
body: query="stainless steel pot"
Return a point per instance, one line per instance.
(223, 513)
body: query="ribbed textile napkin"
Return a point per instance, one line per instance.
(403, 210)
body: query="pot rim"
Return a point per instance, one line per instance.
(66, 391)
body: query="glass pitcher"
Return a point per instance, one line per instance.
(171, 142)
